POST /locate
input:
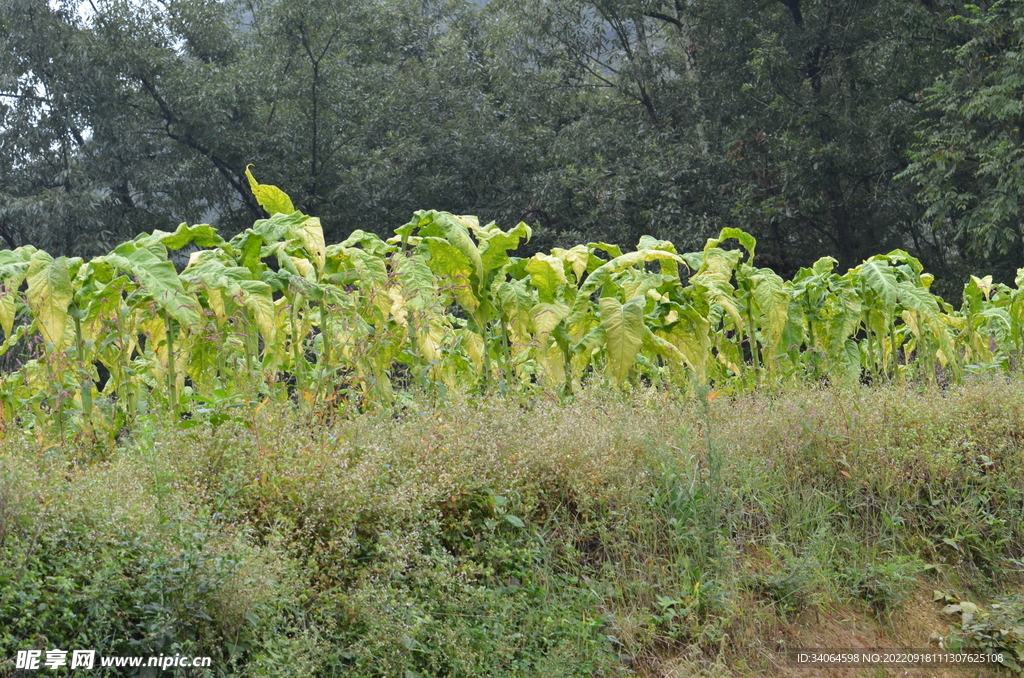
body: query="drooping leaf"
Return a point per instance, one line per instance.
(602, 274)
(546, 318)
(495, 244)
(748, 241)
(547, 273)
(159, 279)
(450, 262)
(311, 233)
(880, 277)
(13, 269)
(577, 257)
(444, 226)
(719, 290)
(624, 329)
(418, 283)
(772, 302)
(49, 295)
(368, 241)
(256, 295)
(516, 302)
(201, 235)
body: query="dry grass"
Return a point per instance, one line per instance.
(645, 522)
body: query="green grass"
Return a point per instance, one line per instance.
(509, 537)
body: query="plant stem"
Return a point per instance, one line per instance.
(172, 377)
(84, 381)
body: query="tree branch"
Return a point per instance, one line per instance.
(666, 18)
(187, 139)
(794, 9)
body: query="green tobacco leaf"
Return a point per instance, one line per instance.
(445, 226)
(13, 269)
(592, 341)
(158, 277)
(284, 260)
(694, 261)
(880, 277)
(280, 227)
(270, 198)
(916, 298)
(722, 262)
(602, 274)
(451, 262)
(772, 301)
(624, 332)
(824, 266)
(104, 301)
(902, 256)
(250, 245)
(49, 295)
(748, 241)
(793, 334)
(202, 235)
(403, 233)
(638, 282)
(577, 257)
(614, 251)
(999, 322)
(202, 366)
(692, 335)
(718, 290)
(657, 344)
(256, 295)
(473, 344)
(496, 243)
(12, 340)
(668, 266)
(418, 282)
(842, 312)
(546, 318)
(547, 273)
(649, 243)
(311, 233)
(8, 309)
(368, 241)
(373, 271)
(516, 301)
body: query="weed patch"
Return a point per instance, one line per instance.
(600, 535)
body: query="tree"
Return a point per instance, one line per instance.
(624, 151)
(788, 119)
(832, 101)
(97, 150)
(590, 119)
(969, 162)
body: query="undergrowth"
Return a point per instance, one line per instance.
(607, 535)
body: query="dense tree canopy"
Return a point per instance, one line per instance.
(589, 119)
(969, 164)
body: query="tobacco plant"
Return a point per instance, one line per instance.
(445, 304)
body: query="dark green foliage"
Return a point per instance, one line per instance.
(967, 163)
(589, 120)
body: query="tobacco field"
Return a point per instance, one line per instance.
(445, 304)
